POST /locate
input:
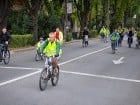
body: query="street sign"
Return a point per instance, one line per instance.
(69, 7)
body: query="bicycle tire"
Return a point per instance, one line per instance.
(44, 77)
(113, 48)
(55, 76)
(6, 57)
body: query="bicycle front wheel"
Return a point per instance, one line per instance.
(37, 57)
(55, 76)
(44, 77)
(6, 57)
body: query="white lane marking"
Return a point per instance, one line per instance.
(20, 68)
(31, 74)
(74, 59)
(102, 76)
(19, 78)
(69, 72)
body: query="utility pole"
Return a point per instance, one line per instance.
(66, 18)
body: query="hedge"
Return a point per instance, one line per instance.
(93, 34)
(68, 37)
(21, 41)
(138, 33)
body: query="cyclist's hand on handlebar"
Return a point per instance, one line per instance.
(56, 55)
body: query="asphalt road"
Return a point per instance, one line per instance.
(88, 77)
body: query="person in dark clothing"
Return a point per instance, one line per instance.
(130, 33)
(85, 37)
(130, 36)
(4, 38)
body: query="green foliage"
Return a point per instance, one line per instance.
(18, 41)
(68, 37)
(18, 22)
(53, 21)
(138, 33)
(93, 34)
(129, 22)
(48, 24)
(86, 12)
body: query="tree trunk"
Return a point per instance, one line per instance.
(4, 9)
(33, 8)
(106, 19)
(34, 19)
(96, 9)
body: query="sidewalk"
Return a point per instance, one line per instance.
(13, 50)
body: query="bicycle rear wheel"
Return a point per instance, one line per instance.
(37, 57)
(55, 76)
(6, 57)
(44, 77)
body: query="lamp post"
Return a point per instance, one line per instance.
(67, 10)
(134, 17)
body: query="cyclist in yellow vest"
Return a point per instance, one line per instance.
(50, 48)
(38, 45)
(107, 33)
(102, 32)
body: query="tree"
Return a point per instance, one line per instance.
(106, 6)
(83, 11)
(33, 7)
(4, 9)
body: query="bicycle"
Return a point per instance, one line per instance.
(39, 56)
(49, 73)
(4, 54)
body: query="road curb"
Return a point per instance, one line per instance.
(22, 49)
(33, 47)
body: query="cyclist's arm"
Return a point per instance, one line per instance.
(8, 38)
(42, 47)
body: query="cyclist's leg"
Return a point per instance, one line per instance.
(117, 43)
(5, 48)
(86, 39)
(105, 39)
(38, 52)
(60, 52)
(46, 62)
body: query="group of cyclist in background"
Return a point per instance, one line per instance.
(117, 36)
